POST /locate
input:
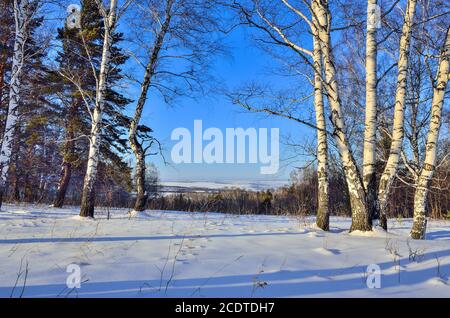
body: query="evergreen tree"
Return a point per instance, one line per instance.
(6, 47)
(33, 151)
(78, 60)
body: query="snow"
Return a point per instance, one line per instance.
(181, 254)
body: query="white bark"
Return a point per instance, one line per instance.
(369, 156)
(87, 200)
(22, 15)
(391, 167)
(323, 215)
(136, 146)
(360, 215)
(426, 174)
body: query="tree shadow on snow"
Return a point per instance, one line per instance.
(283, 283)
(133, 238)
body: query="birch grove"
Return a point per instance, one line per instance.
(363, 83)
(22, 16)
(88, 194)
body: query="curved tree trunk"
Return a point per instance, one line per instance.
(370, 132)
(22, 15)
(423, 185)
(391, 167)
(360, 215)
(69, 151)
(63, 185)
(88, 193)
(323, 213)
(136, 146)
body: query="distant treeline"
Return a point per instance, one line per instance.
(299, 198)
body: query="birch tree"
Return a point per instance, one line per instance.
(137, 146)
(182, 42)
(392, 164)
(323, 213)
(23, 10)
(360, 214)
(88, 194)
(426, 174)
(370, 132)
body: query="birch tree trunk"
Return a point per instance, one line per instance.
(323, 214)
(360, 215)
(370, 132)
(391, 167)
(22, 15)
(426, 174)
(88, 197)
(136, 146)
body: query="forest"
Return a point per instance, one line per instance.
(223, 149)
(376, 74)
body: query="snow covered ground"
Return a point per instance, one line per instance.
(177, 254)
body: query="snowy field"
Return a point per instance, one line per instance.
(177, 254)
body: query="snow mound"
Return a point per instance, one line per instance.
(327, 251)
(81, 218)
(437, 281)
(376, 232)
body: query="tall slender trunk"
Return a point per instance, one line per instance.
(426, 174)
(370, 132)
(88, 196)
(323, 213)
(360, 214)
(391, 167)
(136, 146)
(21, 16)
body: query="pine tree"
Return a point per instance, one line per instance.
(80, 48)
